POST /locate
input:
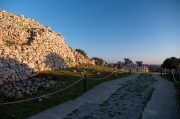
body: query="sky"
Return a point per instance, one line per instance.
(143, 30)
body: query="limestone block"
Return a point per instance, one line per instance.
(12, 71)
(39, 62)
(24, 78)
(13, 77)
(5, 76)
(6, 50)
(11, 56)
(42, 68)
(25, 62)
(15, 51)
(55, 68)
(1, 65)
(31, 65)
(43, 64)
(34, 74)
(3, 73)
(12, 64)
(1, 81)
(16, 78)
(28, 73)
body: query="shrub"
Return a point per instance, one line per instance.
(27, 44)
(82, 52)
(9, 43)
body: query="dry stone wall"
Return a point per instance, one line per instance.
(27, 47)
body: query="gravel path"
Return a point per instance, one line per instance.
(127, 102)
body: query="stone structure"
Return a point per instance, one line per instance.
(139, 63)
(27, 47)
(128, 61)
(128, 64)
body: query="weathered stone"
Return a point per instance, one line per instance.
(12, 71)
(24, 77)
(5, 76)
(26, 44)
(18, 95)
(12, 64)
(13, 77)
(31, 65)
(3, 72)
(1, 81)
(1, 65)
(28, 73)
(52, 83)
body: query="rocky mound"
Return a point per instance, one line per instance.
(27, 47)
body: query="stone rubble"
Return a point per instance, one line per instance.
(27, 48)
(17, 90)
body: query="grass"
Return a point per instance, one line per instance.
(25, 44)
(9, 43)
(64, 78)
(149, 95)
(177, 85)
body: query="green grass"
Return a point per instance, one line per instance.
(25, 44)
(9, 43)
(149, 95)
(64, 78)
(177, 85)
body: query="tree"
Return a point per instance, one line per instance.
(171, 63)
(82, 52)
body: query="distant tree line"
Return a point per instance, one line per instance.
(171, 63)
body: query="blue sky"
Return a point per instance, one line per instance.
(143, 30)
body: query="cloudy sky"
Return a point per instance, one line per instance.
(143, 30)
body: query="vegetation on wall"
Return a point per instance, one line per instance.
(9, 43)
(82, 52)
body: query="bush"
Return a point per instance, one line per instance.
(9, 43)
(82, 52)
(171, 63)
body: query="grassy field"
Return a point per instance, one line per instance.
(64, 78)
(177, 85)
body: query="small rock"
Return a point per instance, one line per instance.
(18, 95)
(49, 77)
(5, 86)
(1, 81)
(40, 100)
(51, 82)
(47, 86)
(27, 92)
(10, 96)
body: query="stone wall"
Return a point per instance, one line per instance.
(27, 47)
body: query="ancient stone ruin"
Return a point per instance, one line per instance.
(27, 47)
(128, 64)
